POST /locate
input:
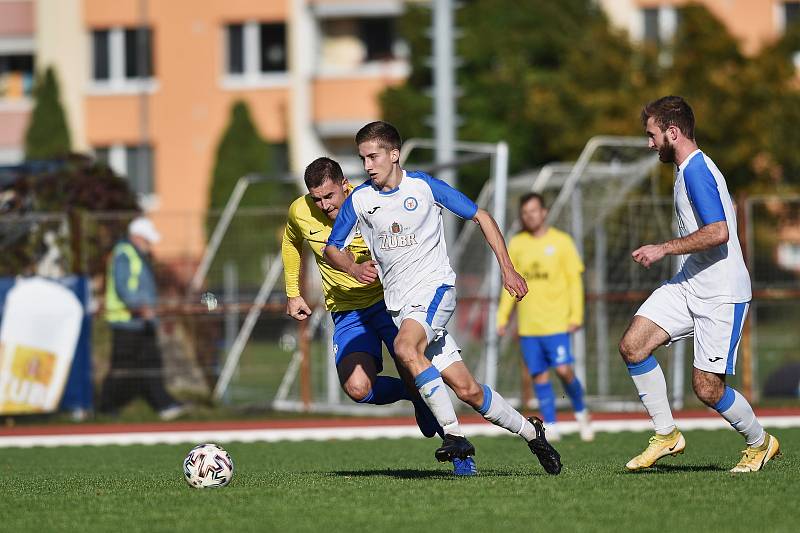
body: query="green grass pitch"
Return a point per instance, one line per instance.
(396, 485)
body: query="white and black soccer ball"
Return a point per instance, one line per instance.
(207, 466)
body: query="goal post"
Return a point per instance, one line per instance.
(498, 154)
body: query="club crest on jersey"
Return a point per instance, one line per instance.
(394, 238)
(410, 203)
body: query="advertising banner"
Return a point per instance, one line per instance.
(38, 335)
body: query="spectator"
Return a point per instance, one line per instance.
(130, 309)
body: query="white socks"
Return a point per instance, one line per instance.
(734, 408)
(649, 380)
(499, 412)
(434, 393)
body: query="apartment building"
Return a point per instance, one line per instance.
(147, 85)
(753, 22)
(17, 53)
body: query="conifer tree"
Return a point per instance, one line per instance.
(48, 135)
(249, 238)
(241, 151)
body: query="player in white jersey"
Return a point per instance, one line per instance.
(707, 299)
(399, 215)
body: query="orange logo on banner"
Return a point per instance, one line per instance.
(25, 389)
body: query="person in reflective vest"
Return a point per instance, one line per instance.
(131, 298)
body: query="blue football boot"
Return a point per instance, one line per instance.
(464, 467)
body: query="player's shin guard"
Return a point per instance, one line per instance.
(547, 401)
(434, 394)
(386, 390)
(499, 412)
(734, 408)
(649, 380)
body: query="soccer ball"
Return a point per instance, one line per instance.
(207, 466)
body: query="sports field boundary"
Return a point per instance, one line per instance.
(338, 428)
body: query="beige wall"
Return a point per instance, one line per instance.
(62, 43)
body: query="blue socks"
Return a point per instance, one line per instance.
(575, 392)
(386, 390)
(547, 401)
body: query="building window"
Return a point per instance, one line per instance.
(101, 57)
(133, 162)
(651, 33)
(122, 58)
(273, 47)
(236, 49)
(660, 24)
(16, 76)
(791, 13)
(256, 53)
(138, 53)
(377, 34)
(361, 45)
(102, 154)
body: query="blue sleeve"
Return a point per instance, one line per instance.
(445, 195)
(344, 224)
(702, 190)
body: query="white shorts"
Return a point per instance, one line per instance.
(716, 327)
(432, 308)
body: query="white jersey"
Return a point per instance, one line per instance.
(701, 198)
(404, 232)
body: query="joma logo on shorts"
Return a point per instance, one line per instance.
(389, 242)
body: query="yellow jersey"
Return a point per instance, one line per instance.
(342, 292)
(552, 268)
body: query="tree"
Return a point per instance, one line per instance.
(47, 135)
(73, 185)
(243, 151)
(529, 76)
(776, 114)
(710, 72)
(549, 77)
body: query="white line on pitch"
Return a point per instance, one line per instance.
(345, 433)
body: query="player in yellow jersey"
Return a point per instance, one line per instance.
(549, 262)
(361, 322)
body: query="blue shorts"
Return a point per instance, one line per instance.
(363, 330)
(542, 352)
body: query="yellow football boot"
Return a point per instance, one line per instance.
(660, 446)
(754, 458)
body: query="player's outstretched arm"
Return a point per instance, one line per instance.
(343, 260)
(512, 281)
(704, 238)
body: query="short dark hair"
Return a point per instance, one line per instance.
(384, 133)
(670, 111)
(321, 169)
(528, 196)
